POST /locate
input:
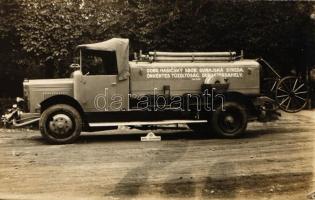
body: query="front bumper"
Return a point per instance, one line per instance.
(16, 117)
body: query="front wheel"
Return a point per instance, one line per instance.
(229, 120)
(60, 124)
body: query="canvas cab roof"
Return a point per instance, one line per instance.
(118, 45)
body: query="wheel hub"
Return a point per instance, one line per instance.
(229, 122)
(229, 119)
(292, 94)
(60, 124)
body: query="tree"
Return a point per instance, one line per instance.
(38, 37)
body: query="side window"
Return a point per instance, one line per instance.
(99, 62)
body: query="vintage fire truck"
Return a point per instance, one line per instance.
(212, 92)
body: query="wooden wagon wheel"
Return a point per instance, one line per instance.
(291, 94)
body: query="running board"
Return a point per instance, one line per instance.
(104, 124)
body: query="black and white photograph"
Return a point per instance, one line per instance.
(157, 99)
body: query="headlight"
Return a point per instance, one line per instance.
(19, 99)
(20, 103)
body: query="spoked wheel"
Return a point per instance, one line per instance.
(291, 94)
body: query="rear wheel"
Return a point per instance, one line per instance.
(229, 120)
(60, 124)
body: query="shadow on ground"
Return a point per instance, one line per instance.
(170, 135)
(181, 135)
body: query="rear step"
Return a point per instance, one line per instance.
(104, 124)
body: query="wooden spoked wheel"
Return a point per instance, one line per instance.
(291, 94)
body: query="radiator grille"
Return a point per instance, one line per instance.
(46, 95)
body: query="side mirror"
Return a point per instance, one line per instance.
(75, 66)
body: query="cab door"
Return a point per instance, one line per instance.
(99, 92)
(97, 88)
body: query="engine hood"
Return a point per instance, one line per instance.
(37, 91)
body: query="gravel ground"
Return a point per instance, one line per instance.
(273, 161)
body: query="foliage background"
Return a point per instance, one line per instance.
(37, 37)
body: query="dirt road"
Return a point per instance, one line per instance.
(274, 161)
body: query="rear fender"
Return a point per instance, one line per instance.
(244, 100)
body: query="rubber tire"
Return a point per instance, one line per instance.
(70, 111)
(215, 118)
